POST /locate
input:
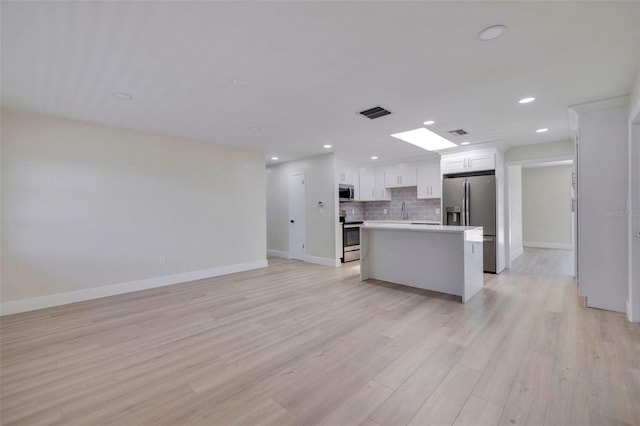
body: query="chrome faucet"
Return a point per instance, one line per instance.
(405, 215)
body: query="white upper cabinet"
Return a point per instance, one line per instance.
(371, 186)
(400, 176)
(355, 181)
(345, 176)
(382, 193)
(367, 185)
(429, 180)
(469, 161)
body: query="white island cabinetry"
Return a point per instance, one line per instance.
(446, 259)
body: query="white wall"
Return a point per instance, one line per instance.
(603, 186)
(515, 211)
(633, 303)
(320, 185)
(89, 209)
(546, 206)
(540, 152)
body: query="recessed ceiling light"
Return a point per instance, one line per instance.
(526, 100)
(542, 130)
(374, 158)
(326, 146)
(254, 128)
(122, 96)
(465, 143)
(238, 82)
(425, 139)
(429, 122)
(491, 33)
(274, 158)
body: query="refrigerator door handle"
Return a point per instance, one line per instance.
(467, 194)
(463, 215)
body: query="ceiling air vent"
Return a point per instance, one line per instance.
(458, 132)
(375, 112)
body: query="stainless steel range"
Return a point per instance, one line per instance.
(351, 241)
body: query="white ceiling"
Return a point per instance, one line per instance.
(311, 66)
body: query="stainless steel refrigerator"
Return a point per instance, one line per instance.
(470, 200)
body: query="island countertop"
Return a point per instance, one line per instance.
(409, 226)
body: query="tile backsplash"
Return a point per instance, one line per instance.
(374, 210)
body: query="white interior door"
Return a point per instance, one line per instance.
(296, 216)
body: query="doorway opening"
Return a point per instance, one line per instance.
(541, 207)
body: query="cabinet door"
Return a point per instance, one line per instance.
(355, 181)
(435, 182)
(391, 178)
(481, 160)
(367, 185)
(401, 176)
(345, 176)
(408, 176)
(453, 163)
(429, 180)
(423, 180)
(382, 193)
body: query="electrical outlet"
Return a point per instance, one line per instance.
(353, 211)
(385, 211)
(438, 211)
(162, 260)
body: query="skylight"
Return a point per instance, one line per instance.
(425, 139)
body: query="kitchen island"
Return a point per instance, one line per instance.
(447, 259)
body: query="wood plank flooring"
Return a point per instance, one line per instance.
(303, 344)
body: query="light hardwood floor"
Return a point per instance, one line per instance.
(302, 344)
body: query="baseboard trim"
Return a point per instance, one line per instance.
(278, 253)
(35, 303)
(631, 315)
(537, 244)
(322, 261)
(607, 307)
(517, 254)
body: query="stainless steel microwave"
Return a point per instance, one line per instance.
(346, 192)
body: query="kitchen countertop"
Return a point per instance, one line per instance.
(409, 226)
(406, 222)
